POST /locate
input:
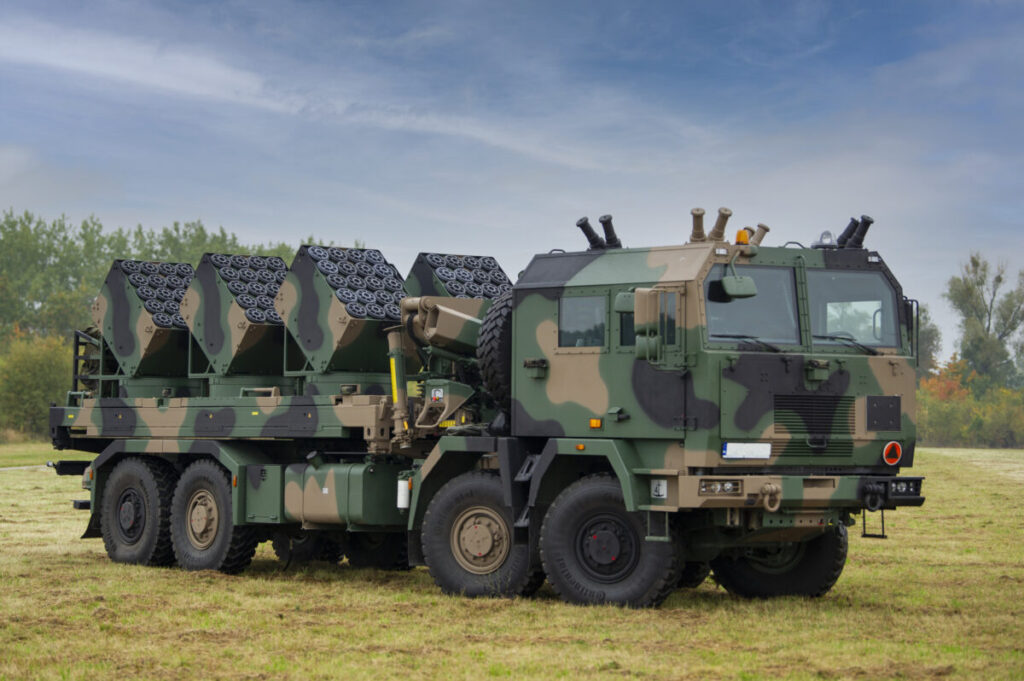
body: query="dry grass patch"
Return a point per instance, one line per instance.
(940, 599)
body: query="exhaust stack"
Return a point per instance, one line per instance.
(857, 240)
(718, 231)
(697, 235)
(762, 230)
(611, 239)
(596, 242)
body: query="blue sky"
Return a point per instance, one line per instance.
(491, 127)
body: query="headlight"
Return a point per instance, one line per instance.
(721, 488)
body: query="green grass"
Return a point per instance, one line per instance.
(33, 454)
(940, 599)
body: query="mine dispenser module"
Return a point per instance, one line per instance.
(137, 315)
(229, 309)
(620, 421)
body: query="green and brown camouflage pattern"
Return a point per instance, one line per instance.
(229, 340)
(673, 413)
(452, 324)
(307, 412)
(143, 343)
(352, 494)
(474, 276)
(330, 334)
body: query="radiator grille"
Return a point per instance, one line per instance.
(803, 448)
(814, 414)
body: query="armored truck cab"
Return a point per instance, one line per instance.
(620, 422)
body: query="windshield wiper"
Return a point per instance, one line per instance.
(753, 339)
(848, 341)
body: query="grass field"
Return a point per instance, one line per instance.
(31, 454)
(942, 598)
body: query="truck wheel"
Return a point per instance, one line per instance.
(202, 531)
(797, 569)
(381, 550)
(693, 575)
(494, 350)
(305, 546)
(135, 512)
(467, 541)
(594, 550)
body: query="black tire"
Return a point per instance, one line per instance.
(809, 568)
(594, 551)
(693, 575)
(381, 550)
(494, 350)
(469, 513)
(202, 530)
(306, 546)
(135, 512)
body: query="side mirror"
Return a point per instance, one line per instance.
(736, 286)
(739, 287)
(645, 322)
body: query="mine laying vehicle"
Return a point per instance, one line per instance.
(620, 422)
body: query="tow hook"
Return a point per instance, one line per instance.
(770, 496)
(874, 496)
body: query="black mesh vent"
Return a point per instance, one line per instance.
(819, 448)
(814, 414)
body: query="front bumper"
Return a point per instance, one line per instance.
(792, 492)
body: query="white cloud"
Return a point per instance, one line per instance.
(180, 70)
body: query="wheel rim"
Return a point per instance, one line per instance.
(607, 548)
(131, 515)
(480, 540)
(201, 519)
(777, 560)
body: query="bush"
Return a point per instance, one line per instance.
(954, 410)
(34, 371)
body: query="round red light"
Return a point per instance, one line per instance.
(892, 453)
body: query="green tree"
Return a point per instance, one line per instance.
(929, 341)
(34, 372)
(991, 313)
(51, 272)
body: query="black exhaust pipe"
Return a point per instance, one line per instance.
(610, 237)
(596, 242)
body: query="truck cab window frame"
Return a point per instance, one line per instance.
(859, 305)
(583, 321)
(772, 316)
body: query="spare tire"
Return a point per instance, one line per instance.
(494, 351)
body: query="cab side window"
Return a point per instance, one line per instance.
(581, 321)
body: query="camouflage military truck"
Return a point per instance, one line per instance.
(621, 422)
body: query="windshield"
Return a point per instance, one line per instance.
(769, 316)
(858, 306)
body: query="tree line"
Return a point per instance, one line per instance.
(977, 397)
(50, 272)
